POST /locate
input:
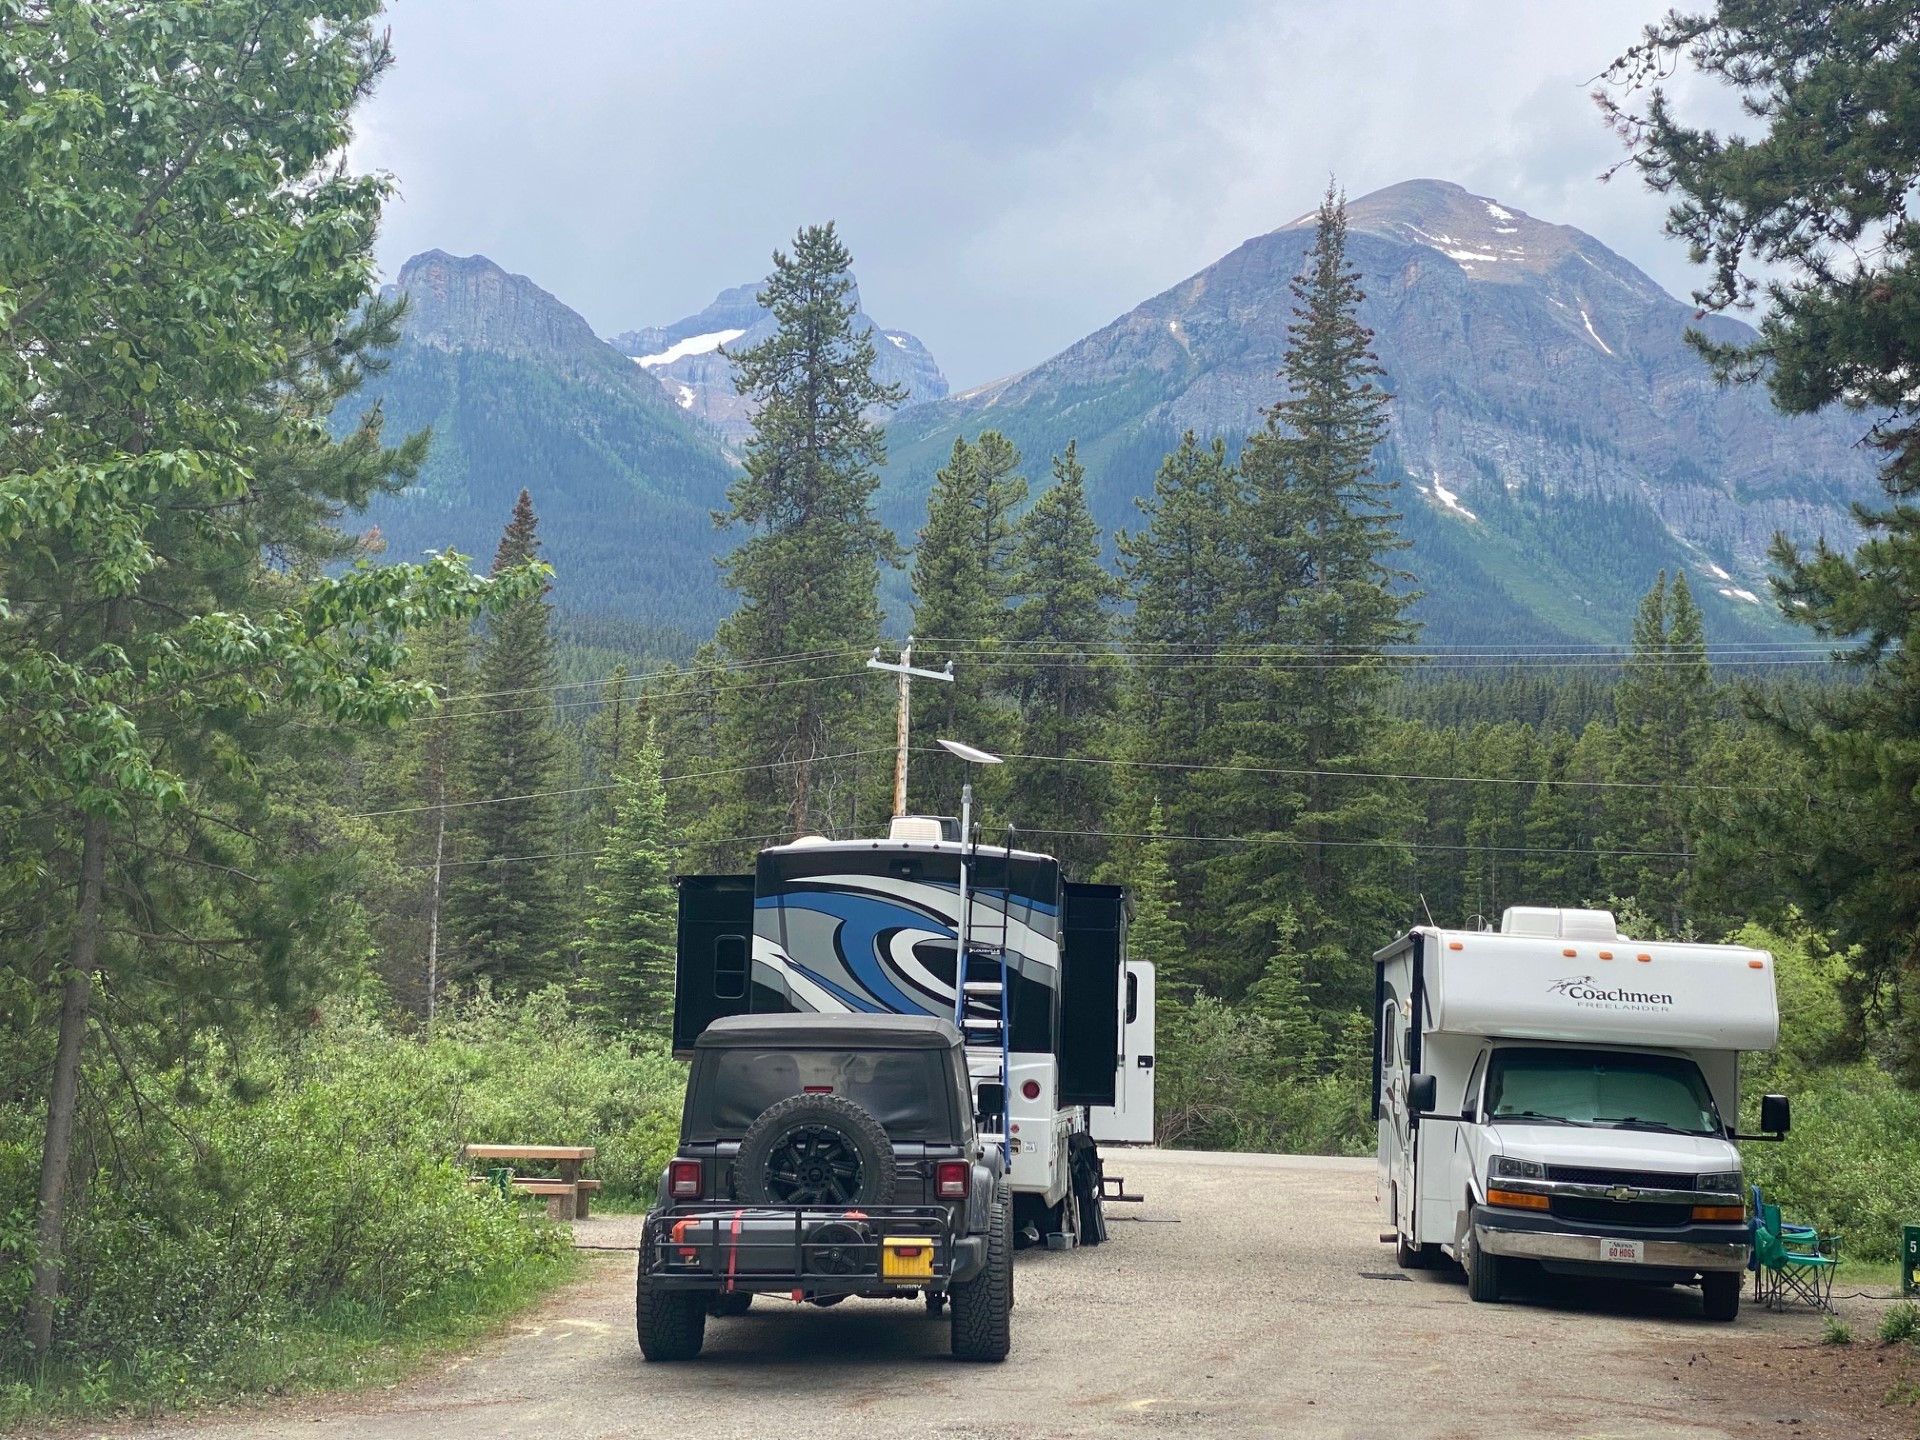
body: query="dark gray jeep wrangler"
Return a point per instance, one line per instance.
(823, 1156)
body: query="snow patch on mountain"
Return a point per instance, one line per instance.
(692, 345)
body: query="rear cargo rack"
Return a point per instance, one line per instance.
(761, 1247)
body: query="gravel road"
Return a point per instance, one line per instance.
(1249, 1295)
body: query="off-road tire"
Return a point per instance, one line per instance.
(1412, 1257)
(751, 1181)
(983, 1306)
(1720, 1294)
(725, 1304)
(1483, 1271)
(672, 1324)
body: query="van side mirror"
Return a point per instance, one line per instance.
(1423, 1092)
(1776, 1114)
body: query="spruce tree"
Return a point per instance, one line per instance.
(1158, 934)
(962, 578)
(1182, 575)
(1322, 608)
(807, 571)
(629, 952)
(506, 905)
(1664, 701)
(1062, 674)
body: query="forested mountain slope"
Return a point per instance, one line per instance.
(1560, 441)
(519, 391)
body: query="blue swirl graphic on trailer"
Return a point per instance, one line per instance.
(863, 919)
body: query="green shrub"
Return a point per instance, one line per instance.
(1836, 1332)
(1902, 1322)
(1852, 1160)
(317, 1183)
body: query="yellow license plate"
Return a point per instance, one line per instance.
(906, 1257)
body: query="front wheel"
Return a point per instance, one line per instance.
(1483, 1272)
(1720, 1294)
(983, 1306)
(672, 1324)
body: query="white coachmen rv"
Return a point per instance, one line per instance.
(1058, 1023)
(1553, 1092)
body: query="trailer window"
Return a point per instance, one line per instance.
(1389, 1033)
(730, 967)
(1605, 1089)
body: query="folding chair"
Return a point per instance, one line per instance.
(1796, 1263)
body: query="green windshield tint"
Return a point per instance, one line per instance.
(1587, 1087)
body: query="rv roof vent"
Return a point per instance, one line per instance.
(810, 840)
(922, 828)
(1551, 924)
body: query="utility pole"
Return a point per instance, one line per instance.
(906, 672)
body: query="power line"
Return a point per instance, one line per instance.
(1351, 844)
(610, 785)
(1359, 774)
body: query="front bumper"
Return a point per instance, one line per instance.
(1681, 1248)
(781, 1249)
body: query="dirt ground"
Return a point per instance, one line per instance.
(1249, 1295)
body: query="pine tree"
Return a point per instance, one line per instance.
(807, 572)
(1665, 705)
(506, 907)
(1182, 575)
(1321, 607)
(1062, 674)
(629, 952)
(962, 579)
(1158, 934)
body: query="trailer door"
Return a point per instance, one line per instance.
(1093, 940)
(713, 961)
(1129, 1120)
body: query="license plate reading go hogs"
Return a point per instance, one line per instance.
(1623, 1251)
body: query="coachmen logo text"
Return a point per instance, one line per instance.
(1588, 992)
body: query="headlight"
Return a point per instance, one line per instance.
(1727, 1182)
(1505, 1167)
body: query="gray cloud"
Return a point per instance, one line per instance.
(1009, 175)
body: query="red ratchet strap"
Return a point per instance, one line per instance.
(733, 1249)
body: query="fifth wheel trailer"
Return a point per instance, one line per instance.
(1058, 1022)
(1558, 1094)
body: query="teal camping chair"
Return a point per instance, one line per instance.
(1793, 1264)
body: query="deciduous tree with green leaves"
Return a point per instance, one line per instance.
(185, 271)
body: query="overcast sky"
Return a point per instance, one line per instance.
(1009, 176)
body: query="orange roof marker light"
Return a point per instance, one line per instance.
(1455, 945)
(1756, 964)
(1606, 954)
(1644, 959)
(1571, 954)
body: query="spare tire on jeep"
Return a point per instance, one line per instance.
(822, 1151)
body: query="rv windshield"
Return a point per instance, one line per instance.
(1604, 1089)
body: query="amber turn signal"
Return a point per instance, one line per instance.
(1517, 1200)
(1722, 1213)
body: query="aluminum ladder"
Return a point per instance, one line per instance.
(982, 1001)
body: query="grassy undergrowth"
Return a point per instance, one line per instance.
(344, 1347)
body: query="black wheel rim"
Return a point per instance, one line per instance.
(814, 1165)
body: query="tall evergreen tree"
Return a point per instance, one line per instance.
(1321, 607)
(506, 906)
(1158, 934)
(807, 573)
(1062, 673)
(962, 580)
(629, 950)
(1183, 574)
(1665, 705)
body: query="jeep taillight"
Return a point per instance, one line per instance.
(683, 1180)
(952, 1179)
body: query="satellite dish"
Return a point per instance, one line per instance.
(969, 753)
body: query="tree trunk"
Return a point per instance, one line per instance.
(433, 914)
(63, 1097)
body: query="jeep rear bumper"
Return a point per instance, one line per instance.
(880, 1250)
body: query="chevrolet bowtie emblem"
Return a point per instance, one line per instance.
(1622, 1192)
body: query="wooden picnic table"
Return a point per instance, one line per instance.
(567, 1196)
